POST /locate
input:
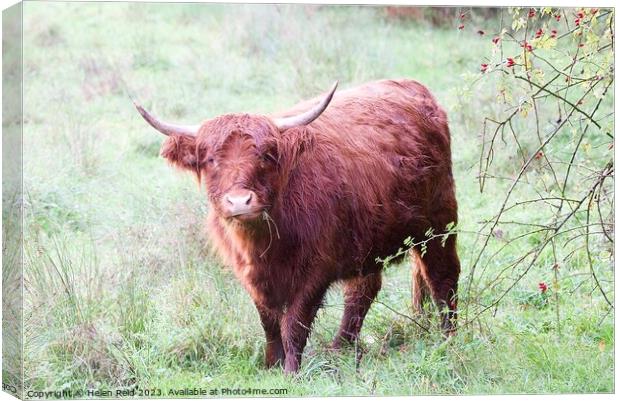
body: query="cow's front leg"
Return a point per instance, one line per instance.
(274, 350)
(296, 324)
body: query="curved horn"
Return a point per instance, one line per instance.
(307, 117)
(167, 128)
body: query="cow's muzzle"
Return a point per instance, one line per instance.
(241, 203)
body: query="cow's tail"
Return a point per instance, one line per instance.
(420, 290)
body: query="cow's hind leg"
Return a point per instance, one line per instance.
(359, 292)
(441, 269)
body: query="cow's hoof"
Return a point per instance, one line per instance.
(291, 367)
(335, 346)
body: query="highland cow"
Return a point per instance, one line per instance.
(318, 195)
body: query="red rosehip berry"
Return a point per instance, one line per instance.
(483, 67)
(542, 287)
(510, 62)
(461, 27)
(495, 40)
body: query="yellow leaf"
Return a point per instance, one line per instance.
(601, 345)
(539, 76)
(586, 147)
(524, 109)
(546, 42)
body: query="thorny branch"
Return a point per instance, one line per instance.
(578, 184)
(575, 93)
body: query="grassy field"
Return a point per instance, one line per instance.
(121, 291)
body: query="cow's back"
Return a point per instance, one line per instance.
(373, 166)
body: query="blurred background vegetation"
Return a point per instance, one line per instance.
(121, 291)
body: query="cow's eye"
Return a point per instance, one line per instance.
(268, 157)
(210, 160)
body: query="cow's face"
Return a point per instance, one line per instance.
(236, 156)
(240, 165)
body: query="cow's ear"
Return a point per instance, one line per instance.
(180, 150)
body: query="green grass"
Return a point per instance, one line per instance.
(122, 291)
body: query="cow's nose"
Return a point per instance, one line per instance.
(239, 202)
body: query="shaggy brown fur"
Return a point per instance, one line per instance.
(329, 199)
